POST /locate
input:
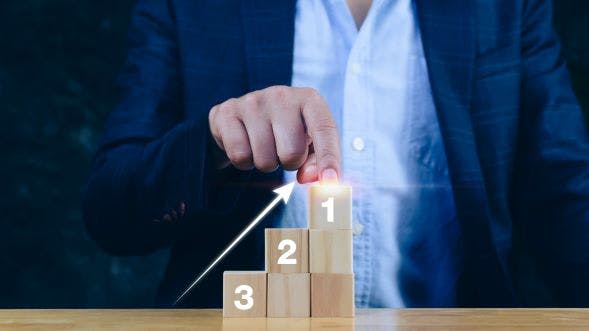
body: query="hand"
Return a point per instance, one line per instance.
(287, 126)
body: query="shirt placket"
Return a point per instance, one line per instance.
(358, 147)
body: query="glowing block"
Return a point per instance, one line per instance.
(330, 207)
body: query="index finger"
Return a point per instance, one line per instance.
(323, 132)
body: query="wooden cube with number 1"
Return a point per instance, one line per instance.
(330, 207)
(287, 250)
(244, 294)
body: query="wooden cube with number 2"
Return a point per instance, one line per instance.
(287, 250)
(330, 207)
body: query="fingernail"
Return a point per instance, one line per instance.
(329, 176)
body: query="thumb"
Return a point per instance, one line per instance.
(307, 173)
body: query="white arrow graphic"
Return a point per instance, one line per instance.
(283, 194)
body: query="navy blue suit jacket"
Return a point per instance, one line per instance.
(517, 148)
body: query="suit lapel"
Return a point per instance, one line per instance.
(448, 34)
(269, 38)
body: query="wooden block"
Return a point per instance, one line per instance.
(244, 294)
(287, 250)
(330, 207)
(235, 324)
(289, 295)
(332, 295)
(330, 251)
(287, 324)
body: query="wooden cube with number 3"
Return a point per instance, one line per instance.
(330, 207)
(287, 250)
(244, 294)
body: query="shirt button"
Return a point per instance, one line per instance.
(357, 228)
(358, 144)
(356, 68)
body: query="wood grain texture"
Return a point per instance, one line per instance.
(289, 295)
(256, 280)
(272, 253)
(365, 320)
(342, 209)
(332, 295)
(330, 251)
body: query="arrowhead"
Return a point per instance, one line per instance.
(285, 191)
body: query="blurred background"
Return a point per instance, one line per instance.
(58, 63)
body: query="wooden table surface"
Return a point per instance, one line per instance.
(369, 319)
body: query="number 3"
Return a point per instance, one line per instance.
(284, 258)
(249, 300)
(329, 205)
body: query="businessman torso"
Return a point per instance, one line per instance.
(450, 38)
(492, 82)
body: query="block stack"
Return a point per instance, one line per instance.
(308, 271)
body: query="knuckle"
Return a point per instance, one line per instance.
(292, 159)
(313, 95)
(325, 125)
(213, 115)
(328, 159)
(251, 100)
(315, 105)
(266, 164)
(240, 158)
(224, 109)
(278, 91)
(279, 94)
(231, 102)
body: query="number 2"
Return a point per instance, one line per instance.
(247, 296)
(292, 247)
(329, 205)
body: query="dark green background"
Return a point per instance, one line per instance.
(58, 62)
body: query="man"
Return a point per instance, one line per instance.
(454, 121)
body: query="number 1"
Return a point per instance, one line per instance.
(329, 205)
